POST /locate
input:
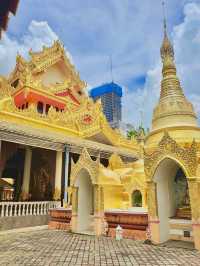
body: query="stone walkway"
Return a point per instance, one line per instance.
(51, 247)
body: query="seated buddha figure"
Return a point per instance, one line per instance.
(183, 210)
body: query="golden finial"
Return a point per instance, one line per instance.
(164, 18)
(167, 49)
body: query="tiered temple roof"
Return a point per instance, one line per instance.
(33, 98)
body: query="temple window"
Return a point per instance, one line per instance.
(15, 83)
(47, 108)
(40, 107)
(136, 199)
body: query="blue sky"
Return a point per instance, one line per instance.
(92, 30)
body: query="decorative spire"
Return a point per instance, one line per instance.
(164, 18)
(173, 108)
(170, 83)
(167, 50)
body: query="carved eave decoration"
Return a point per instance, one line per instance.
(85, 120)
(168, 148)
(40, 61)
(5, 88)
(20, 71)
(85, 162)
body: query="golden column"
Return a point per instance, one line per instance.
(153, 211)
(74, 219)
(194, 190)
(0, 158)
(27, 174)
(58, 176)
(98, 209)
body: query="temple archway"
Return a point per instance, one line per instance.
(85, 209)
(136, 198)
(173, 201)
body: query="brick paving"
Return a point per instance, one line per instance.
(52, 247)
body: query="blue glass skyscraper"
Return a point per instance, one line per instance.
(110, 95)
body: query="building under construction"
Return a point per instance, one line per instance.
(110, 95)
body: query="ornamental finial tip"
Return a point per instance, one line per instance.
(164, 18)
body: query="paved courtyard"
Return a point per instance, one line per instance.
(51, 247)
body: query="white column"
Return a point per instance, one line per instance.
(27, 174)
(58, 175)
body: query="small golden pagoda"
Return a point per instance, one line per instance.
(171, 160)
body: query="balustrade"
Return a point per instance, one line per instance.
(8, 209)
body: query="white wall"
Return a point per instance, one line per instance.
(85, 201)
(53, 75)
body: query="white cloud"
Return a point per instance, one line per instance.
(39, 34)
(186, 39)
(138, 105)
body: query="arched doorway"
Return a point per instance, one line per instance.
(85, 202)
(172, 195)
(136, 198)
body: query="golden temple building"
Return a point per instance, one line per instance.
(57, 146)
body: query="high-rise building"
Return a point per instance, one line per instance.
(110, 95)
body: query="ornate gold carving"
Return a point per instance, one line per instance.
(57, 194)
(194, 190)
(169, 148)
(5, 88)
(152, 200)
(85, 162)
(97, 199)
(49, 56)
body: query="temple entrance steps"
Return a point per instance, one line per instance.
(88, 233)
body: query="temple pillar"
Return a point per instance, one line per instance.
(194, 191)
(0, 158)
(74, 219)
(144, 198)
(98, 209)
(154, 223)
(27, 174)
(66, 175)
(58, 176)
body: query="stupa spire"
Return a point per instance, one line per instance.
(173, 108)
(167, 50)
(170, 83)
(164, 18)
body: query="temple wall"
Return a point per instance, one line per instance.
(112, 197)
(7, 223)
(53, 75)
